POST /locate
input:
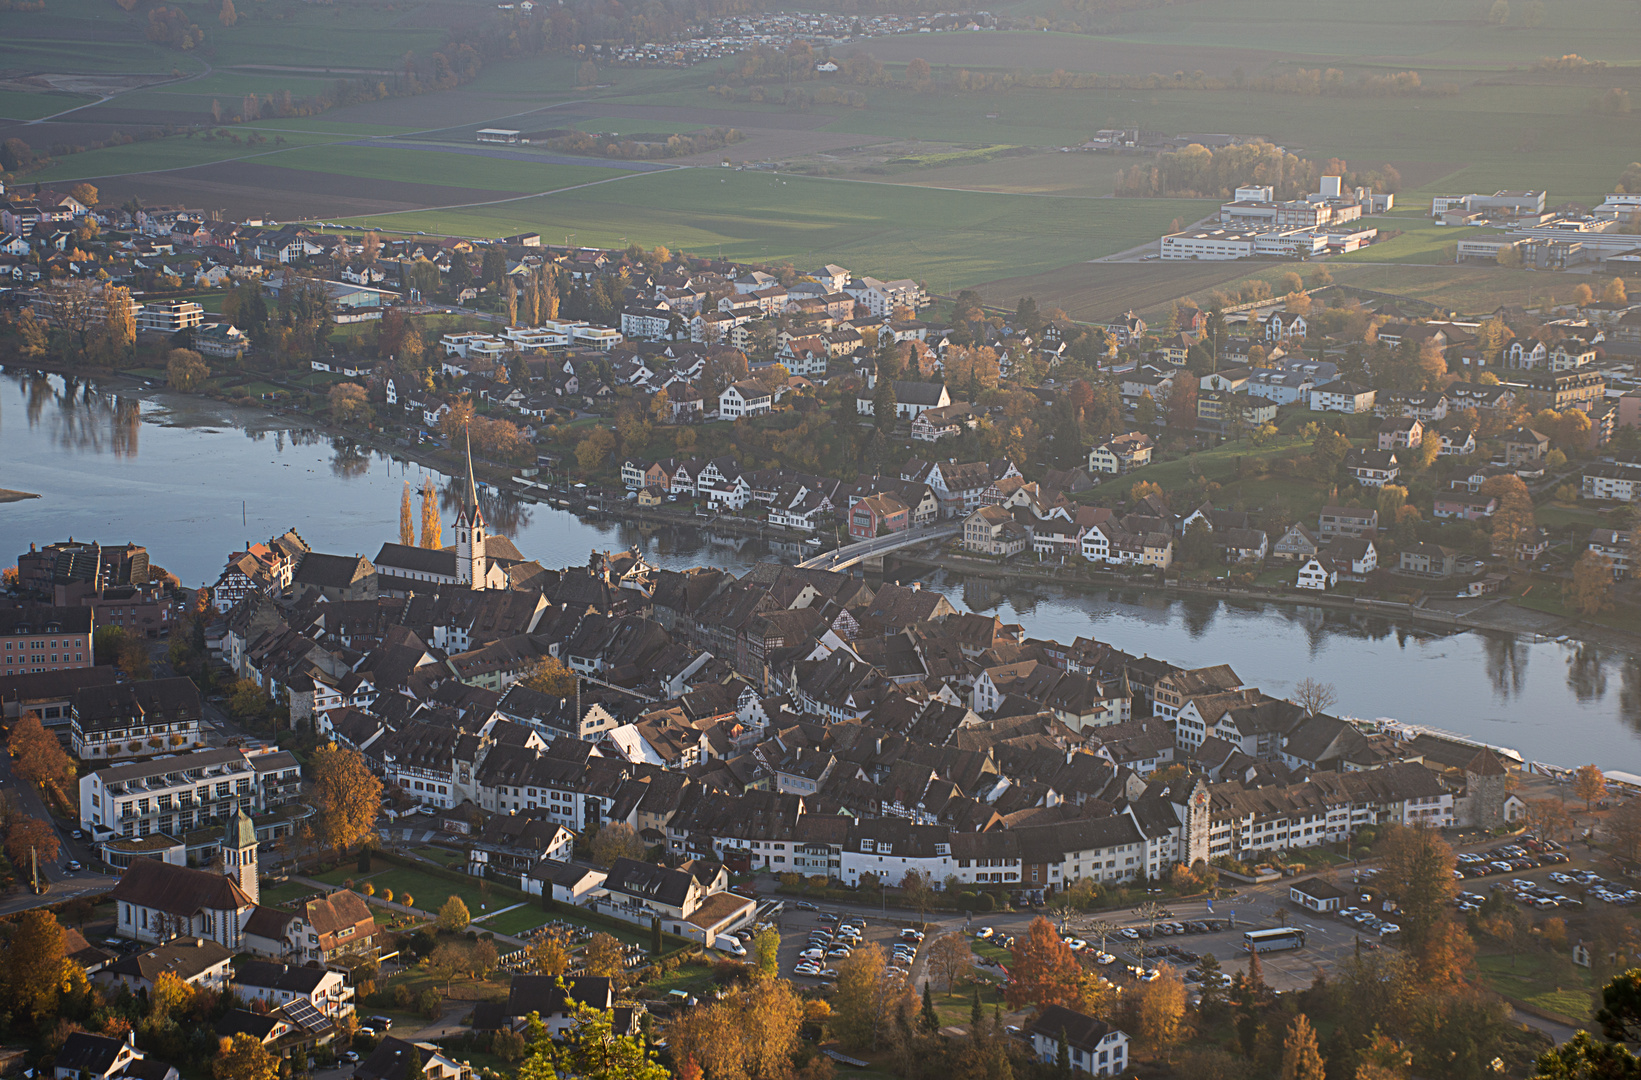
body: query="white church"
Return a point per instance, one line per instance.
(477, 560)
(157, 901)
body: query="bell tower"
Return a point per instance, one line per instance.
(239, 854)
(471, 564)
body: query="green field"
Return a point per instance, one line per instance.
(948, 238)
(21, 105)
(160, 155)
(433, 166)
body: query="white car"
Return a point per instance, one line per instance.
(1076, 944)
(1130, 933)
(812, 954)
(1104, 959)
(984, 932)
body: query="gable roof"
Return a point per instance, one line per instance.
(178, 890)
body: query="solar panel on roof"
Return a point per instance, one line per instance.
(302, 1013)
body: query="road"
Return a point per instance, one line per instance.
(850, 554)
(61, 884)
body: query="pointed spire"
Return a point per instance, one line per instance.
(472, 488)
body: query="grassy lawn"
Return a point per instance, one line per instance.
(442, 856)
(285, 893)
(1548, 983)
(690, 978)
(955, 1008)
(517, 921)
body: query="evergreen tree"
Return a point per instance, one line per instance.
(931, 1022)
(413, 1070)
(1062, 1056)
(974, 1011)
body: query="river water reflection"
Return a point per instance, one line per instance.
(193, 480)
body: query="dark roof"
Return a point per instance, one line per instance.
(389, 1061)
(546, 994)
(45, 619)
(331, 571)
(243, 1021)
(89, 1053)
(1318, 889)
(50, 685)
(168, 701)
(178, 890)
(1081, 1031)
(280, 976)
(657, 883)
(419, 559)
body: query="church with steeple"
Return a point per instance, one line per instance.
(156, 901)
(476, 561)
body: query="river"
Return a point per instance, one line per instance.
(194, 480)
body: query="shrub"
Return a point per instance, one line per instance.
(430, 1004)
(984, 902)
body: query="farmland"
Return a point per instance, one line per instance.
(977, 156)
(950, 238)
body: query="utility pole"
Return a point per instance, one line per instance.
(34, 861)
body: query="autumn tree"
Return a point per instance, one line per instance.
(37, 755)
(550, 953)
(34, 965)
(550, 676)
(407, 521)
(1615, 292)
(1589, 784)
(346, 795)
(28, 837)
(1301, 1060)
(951, 958)
(1548, 817)
(185, 369)
(766, 951)
(1044, 971)
(453, 916)
(1590, 590)
(592, 451)
(604, 956)
(860, 1003)
(750, 1032)
(1417, 872)
(1161, 1008)
(243, 1057)
(170, 996)
(432, 526)
(617, 840)
(1513, 521)
(348, 401)
(1623, 825)
(1182, 404)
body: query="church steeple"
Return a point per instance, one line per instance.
(239, 854)
(471, 566)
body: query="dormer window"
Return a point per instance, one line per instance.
(866, 845)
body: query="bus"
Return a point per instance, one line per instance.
(1273, 940)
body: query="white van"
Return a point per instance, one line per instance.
(730, 944)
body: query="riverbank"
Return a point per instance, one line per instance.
(1494, 614)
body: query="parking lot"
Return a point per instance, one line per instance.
(797, 925)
